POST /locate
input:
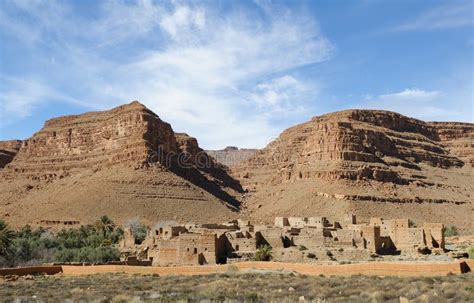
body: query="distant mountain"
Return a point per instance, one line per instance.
(231, 155)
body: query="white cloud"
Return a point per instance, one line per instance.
(409, 95)
(183, 18)
(281, 95)
(19, 97)
(222, 77)
(454, 14)
(423, 104)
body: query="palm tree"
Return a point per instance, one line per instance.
(105, 225)
(6, 238)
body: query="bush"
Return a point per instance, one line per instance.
(311, 256)
(6, 239)
(88, 254)
(470, 252)
(88, 243)
(302, 247)
(263, 253)
(450, 231)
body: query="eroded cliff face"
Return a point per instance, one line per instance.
(122, 162)
(352, 159)
(456, 137)
(355, 145)
(125, 134)
(8, 151)
(127, 163)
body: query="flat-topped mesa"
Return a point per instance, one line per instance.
(351, 144)
(124, 135)
(8, 151)
(232, 155)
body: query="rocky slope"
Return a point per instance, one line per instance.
(8, 150)
(125, 162)
(373, 163)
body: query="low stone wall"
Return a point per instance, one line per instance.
(31, 270)
(371, 268)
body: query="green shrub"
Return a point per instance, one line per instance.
(302, 247)
(311, 256)
(450, 231)
(263, 253)
(88, 243)
(6, 239)
(470, 252)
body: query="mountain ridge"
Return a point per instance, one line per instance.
(367, 162)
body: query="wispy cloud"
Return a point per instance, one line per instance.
(451, 15)
(220, 76)
(421, 104)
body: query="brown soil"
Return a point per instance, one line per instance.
(373, 268)
(238, 286)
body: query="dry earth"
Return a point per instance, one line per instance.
(235, 286)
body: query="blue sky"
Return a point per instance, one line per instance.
(234, 72)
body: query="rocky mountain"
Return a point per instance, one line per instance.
(125, 162)
(372, 163)
(231, 155)
(128, 163)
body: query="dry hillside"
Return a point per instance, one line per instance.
(77, 168)
(371, 163)
(126, 163)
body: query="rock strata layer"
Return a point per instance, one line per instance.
(231, 155)
(124, 162)
(8, 150)
(365, 156)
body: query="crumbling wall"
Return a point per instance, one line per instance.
(197, 248)
(241, 241)
(272, 236)
(371, 236)
(281, 222)
(434, 235)
(309, 237)
(409, 239)
(127, 241)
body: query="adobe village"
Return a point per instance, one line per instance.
(293, 239)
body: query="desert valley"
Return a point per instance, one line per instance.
(348, 187)
(237, 151)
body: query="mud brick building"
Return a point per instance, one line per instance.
(292, 239)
